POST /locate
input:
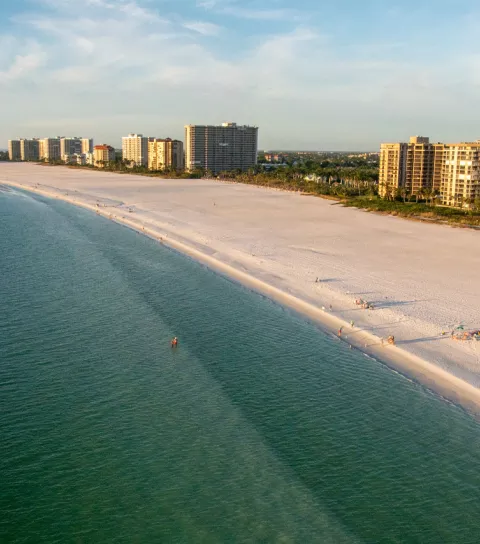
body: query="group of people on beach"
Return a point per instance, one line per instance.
(364, 304)
(465, 335)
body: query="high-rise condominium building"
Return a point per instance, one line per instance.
(410, 166)
(87, 145)
(460, 180)
(102, 154)
(29, 149)
(452, 170)
(165, 154)
(71, 146)
(420, 164)
(49, 148)
(220, 148)
(14, 153)
(392, 173)
(135, 149)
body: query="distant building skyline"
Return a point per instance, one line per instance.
(60, 147)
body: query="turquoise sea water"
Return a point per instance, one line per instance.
(258, 428)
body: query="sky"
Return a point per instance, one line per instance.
(311, 74)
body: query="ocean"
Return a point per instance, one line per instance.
(259, 427)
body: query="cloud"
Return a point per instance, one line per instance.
(150, 71)
(24, 65)
(262, 14)
(207, 4)
(204, 28)
(234, 8)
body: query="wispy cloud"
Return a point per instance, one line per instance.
(131, 62)
(202, 27)
(262, 14)
(24, 65)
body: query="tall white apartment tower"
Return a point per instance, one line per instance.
(135, 149)
(220, 148)
(460, 183)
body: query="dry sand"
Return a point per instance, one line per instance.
(422, 279)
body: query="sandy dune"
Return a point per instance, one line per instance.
(422, 279)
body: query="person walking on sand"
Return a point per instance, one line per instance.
(352, 324)
(340, 331)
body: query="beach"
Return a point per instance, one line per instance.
(311, 255)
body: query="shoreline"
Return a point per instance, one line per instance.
(429, 375)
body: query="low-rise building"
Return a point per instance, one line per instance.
(102, 154)
(81, 159)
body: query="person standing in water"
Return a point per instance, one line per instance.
(174, 342)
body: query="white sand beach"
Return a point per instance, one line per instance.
(422, 279)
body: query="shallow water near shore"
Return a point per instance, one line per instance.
(258, 428)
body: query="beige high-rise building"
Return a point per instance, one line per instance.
(14, 153)
(438, 157)
(220, 148)
(392, 173)
(460, 183)
(414, 167)
(102, 154)
(451, 170)
(135, 149)
(29, 149)
(419, 166)
(165, 153)
(49, 149)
